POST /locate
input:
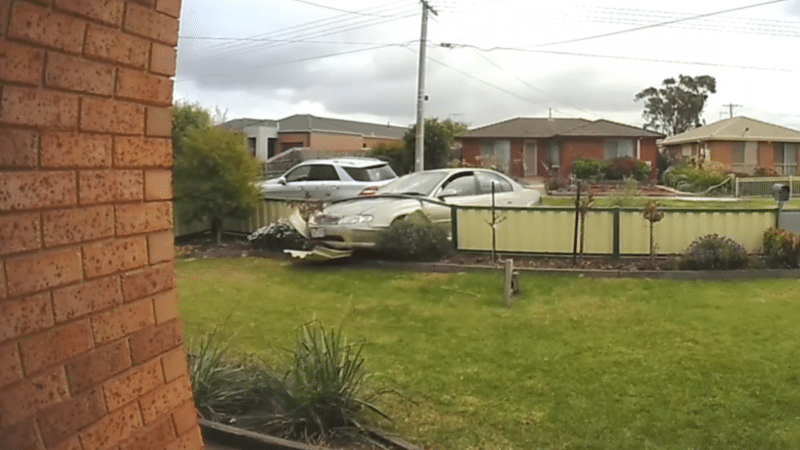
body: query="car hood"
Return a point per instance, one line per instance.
(383, 209)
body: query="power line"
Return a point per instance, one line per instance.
(660, 24)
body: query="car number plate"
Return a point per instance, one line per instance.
(317, 233)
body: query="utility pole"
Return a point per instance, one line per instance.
(730, 107)
(419, 154)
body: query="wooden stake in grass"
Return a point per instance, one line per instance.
(652, 214)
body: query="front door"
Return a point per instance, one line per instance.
(530, 159)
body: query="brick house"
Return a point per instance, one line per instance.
(543, 147)
(741, 144)
(267, 138)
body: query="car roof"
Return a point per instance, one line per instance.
(348, 161)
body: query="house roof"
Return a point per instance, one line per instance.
(240, 124)
(535, 127)
(308, 122)
(735, 129)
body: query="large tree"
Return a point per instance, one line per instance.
(213, 177)
(678, 104)
(438, 141)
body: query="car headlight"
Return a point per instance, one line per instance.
(351, 220)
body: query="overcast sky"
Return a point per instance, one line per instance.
(488, 60)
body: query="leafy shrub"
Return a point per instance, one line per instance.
(412, 240)
(625, 196)
(713, 252)
(278, 236)
(399, 159)
(693, 178)
(627, 167)
(765, 172)
(781, 249)
(586, 169)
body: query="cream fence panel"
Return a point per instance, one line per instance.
(551, 230)
(267, 211)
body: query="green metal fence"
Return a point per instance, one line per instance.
(762, 186)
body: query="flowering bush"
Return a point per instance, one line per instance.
(781, 249)
(278, 236)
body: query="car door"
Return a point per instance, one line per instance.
(295, 187)
(504, 194)
(458, 189)
(323, 182)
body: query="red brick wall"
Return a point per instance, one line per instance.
(91, 353)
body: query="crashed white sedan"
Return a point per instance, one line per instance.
(427, 195)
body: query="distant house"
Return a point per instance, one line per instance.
(543, 147)
(267, 138)
(740, 143)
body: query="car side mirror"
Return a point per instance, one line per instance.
(282, 180)
(448, 193)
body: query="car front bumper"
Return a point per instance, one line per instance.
(344, 237)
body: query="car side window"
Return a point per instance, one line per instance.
(462, 185)
(485, 180)
(323, 172)
(298, 174)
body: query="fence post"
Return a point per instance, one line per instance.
(454, 227)
(617, 245)
(736, 187)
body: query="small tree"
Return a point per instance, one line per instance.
(185, 118)
(652, 214)
(438, 141)
(214, 176)
(678, 105)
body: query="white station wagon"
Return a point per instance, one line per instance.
(329, 179)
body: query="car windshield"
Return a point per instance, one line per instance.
(374, 173)
(420, 183)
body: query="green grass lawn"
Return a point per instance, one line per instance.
(576, 363)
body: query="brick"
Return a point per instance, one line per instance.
(114, 256)
(169, 7)
(104, 186)
(19, 233)
(140, 218)
(41, 26)
(35, 107)
(174, 364)
(18, 148)
(185, 417)
(113, 428)
(158, 122)
(140, 284)
(155, 436)
(25, 399)
(76, 74)
(141, 86)
(108, 44)
(71, 149)
(42, 271)
(69, 226)
(91, 369)
(151, 24)
(142, 152)
(10, 365)
(73, 443)
(66, 419)
(111, 116)
(108, 11)
(158, 185)
(128, 387)
(21, 64)
(154, 341)
(77, 301)
(23, 437)
(25, 316)
(162, 59)
(122, 321)
(161, 247)
(165, 399)
(192, 440)
(35, 190)
(166, 306)
(56, 345)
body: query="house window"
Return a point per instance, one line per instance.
(554, 155)
(744, 156)
(251, 146)
(785, 158)
(618, 148)
(496, 154)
